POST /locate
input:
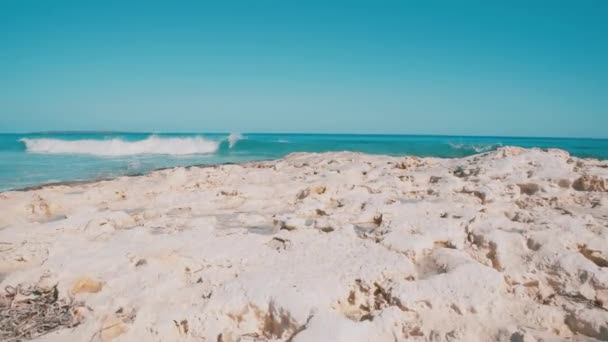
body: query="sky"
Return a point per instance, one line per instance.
(500, 68)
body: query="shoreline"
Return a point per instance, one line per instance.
(96, 180)
(213, 165)
(509, 244)
(84, 182)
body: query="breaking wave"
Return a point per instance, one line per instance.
(233, 138)
(478, 148)
(120, 147)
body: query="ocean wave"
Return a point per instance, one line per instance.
(120, 147)
(233, 138)
(479, 148)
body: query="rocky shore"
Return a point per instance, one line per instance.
(510, 245)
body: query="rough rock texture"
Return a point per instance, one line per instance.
(510, 245)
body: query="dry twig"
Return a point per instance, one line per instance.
(33, 311)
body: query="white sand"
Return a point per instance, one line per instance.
(325, 247)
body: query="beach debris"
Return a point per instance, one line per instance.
(28, 312)
(301, 328)
(86, 285)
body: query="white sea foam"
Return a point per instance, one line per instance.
(479, 148)
(120, 147)
(233, 138)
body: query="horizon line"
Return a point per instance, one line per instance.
(304, 133)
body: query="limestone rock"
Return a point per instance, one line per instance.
(112, 328)
(86, 285)
(590, 183)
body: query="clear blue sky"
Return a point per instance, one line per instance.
(531, 68)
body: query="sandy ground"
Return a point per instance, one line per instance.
(510, 245)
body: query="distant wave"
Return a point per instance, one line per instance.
(479, 148)
(120, 147)
(233, 138)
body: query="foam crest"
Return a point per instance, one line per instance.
(120, 147)
(233, 138)
(478, 148)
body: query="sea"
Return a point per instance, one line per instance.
(33, 159)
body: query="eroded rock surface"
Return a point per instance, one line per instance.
(510, 245)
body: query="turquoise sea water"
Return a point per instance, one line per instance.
(33, 159)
